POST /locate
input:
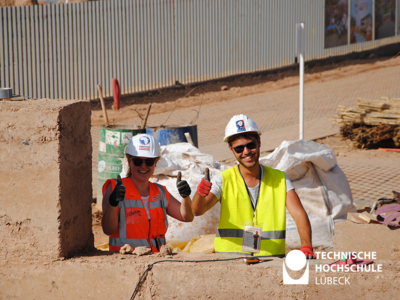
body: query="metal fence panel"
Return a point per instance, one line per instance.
(2, 51)
(52, 53)
(64, 51)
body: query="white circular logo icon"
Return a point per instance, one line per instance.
(101, 166)
(295, 260)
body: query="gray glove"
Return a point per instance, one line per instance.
(183, 186)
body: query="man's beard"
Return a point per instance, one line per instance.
(257, 156)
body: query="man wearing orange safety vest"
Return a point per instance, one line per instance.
(134, 209)
(253, 194)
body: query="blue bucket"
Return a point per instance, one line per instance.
(173, 134)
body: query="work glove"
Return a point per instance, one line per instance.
(183, 186)
(205, 185)
(118, 193)
(308, 251)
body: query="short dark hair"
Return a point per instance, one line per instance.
(249, 135)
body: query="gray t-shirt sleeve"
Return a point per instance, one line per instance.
(216, 188)
(289, 185)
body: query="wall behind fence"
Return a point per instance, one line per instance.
(64, 51)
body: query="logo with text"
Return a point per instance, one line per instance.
(144, 143)
(346, 262)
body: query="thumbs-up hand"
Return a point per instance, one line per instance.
(205, 185)
(183, 186)
(118, 193)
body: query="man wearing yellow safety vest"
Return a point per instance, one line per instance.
(253, 197)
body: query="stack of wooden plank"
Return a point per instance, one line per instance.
(372, 124)
(385, 111)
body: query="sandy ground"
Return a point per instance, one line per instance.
(343, 148)
(114, 276)
(55, 279)
(230, 88)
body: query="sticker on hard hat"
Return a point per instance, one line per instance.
(145, 141)
(240, 126)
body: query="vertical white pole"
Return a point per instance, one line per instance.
(301, 117)
(300, 50)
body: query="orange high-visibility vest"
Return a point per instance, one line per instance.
(134, 227)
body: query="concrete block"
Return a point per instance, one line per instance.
(45, 178)
(353, 237)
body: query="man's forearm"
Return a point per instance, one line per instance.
(304, 229)
(300, 216)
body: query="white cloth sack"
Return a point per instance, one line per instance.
(192, 163)
(320, 184)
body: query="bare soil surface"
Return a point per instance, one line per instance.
(194, 95)
(105, 275)
(44, 277)
(345, 148)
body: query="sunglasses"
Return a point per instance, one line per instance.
(137, 161)
(240, 149)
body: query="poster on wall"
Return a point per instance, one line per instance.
(336, 22)
(361, 23)
(385, 18)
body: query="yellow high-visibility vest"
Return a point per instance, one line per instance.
(236, 209)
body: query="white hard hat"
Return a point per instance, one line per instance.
(240, 124)
(143, 145)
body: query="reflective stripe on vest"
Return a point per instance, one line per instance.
(265, 235)
(138, 230)
(236, 209)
